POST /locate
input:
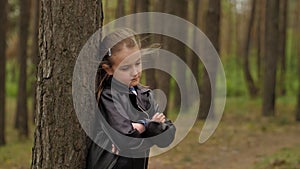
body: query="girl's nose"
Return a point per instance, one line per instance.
(134, 71)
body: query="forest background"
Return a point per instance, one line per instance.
(258, 44)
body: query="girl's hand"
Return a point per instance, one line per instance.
(139, 127)
(159, 117)
(114, 149)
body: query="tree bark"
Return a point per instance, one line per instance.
(3, 28)
(270, 61)
(133, 6)
(163, 82)
(65, 26)
(297, 19)
(282, 46)
(252, 89)
(35, 52)
(212, 30)
(178, 8)
(261, 37)
(144, 6)
(22, 107)
(195, 59)
(120, 11)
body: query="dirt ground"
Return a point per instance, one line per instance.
(237, 144)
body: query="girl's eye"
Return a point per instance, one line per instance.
(124, 68)
(137, 63)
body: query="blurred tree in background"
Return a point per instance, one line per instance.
(297, 21)
(270, 59)
(3, 28)
(212, 31)
(21, 118)
(35, 52)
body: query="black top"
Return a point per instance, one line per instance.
(119, 108)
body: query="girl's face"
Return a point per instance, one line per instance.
(126, 66)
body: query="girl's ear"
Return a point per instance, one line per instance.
(108, 69)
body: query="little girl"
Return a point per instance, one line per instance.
(127, 107)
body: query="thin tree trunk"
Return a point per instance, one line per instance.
(120, 11)
(152, 75)
(22, 107)
(270, 61)
(3, 28)
(144, 6)
(192, 59)
(282, 46)
(35, 52)
(226, 33)
(133, 5)
(195, 59)
(133, 8)
(212, 30)
(164, 79)
(253, 90)
(179, 8)
(65, 26)
(261, 39)
(297, 19)
(258, 40)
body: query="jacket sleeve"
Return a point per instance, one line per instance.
(116, 124)
(162, 134)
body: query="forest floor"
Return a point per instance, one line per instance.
(243, 140)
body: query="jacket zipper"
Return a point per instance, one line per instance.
(143, 110)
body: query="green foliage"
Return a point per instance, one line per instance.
(292, 75)
(11, 78)
(236, 85)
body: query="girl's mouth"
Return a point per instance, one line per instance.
(135, 79)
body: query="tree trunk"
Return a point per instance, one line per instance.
(282, 45)
(22, 108)
(253, 90)
(133, 5)
(35, 52)
(144, 6)
(297, 19)
(153, 75)
(212, 30)
(3, 28)
(164, 79)
(120, 11)
(192, 59)
(195, 59)
(178, 8)
(261, 37)
(65, 26)
(270, 61)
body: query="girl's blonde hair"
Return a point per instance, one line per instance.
(111, 44)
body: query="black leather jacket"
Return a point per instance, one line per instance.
(120, 107)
